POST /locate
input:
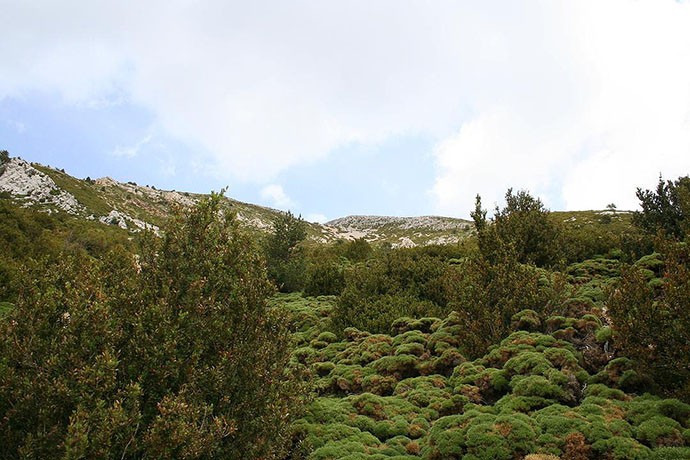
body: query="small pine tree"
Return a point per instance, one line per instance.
(667, 209)
(523, 226)
(284, 258)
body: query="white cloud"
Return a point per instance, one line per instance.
(132, 150)
(277, 196)
(320, 218)
(616, 117)
(262, 86)
(579, 101)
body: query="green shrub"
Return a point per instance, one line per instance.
(536, 385)
(652, 325)
(660, 431)
(325, 275)
(487, 295)
(390, 286)
(621, 448)
(526, 320)
(666, 209)
(175, 354)
(604, 334)
(284, 256)
(523, 226)
(379, 313)
(671, 453)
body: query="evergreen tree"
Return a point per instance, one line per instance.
(284, 258)
(523, 226)
(666, 209)
(173, 354)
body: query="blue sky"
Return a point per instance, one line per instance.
(337, 108)
(392, 177)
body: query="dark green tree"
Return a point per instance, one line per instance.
(487, 294)
(523, 226)
(651, 317)
(404, 282)
(357, 250)
(284, 257)
(325, 274)
(172, 354)
(666, 209)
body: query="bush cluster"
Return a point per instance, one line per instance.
(172, 354)
(413, 394)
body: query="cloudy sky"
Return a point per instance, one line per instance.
(331, 108)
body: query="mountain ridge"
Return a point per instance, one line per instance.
(135, 207)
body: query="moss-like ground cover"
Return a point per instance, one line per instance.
(550, 390)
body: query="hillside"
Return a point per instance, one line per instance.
(403, 231)
(456, 351)
(135, 207)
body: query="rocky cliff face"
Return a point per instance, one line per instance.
(32, 187)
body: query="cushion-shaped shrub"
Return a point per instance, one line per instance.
(603, 391)
(327, 337)
(660, 431)
(603, 334)
(526, 320)
(348, 378)
(447, 438)
(324, 434)
(536, 385)
(418, 427)
(525, 404)
(441, 340)
(528, 363)
(671, 453)
(444, 364)
(504, 437)
(400, 366)
(562, 358)
(379, 384)
(675, 409)
(323, 369)
(304, 354)
(560, 426)
(386, 429)
(412, 348)
(621, 448)
(410, 337)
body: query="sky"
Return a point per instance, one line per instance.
(332, 108)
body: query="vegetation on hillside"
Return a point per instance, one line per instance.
(171, 354)
(544, 336)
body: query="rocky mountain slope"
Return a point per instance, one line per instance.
(135, 207)
(404, 231)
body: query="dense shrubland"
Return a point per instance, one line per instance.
(29, 238)
(540, 342)
(535, 340)
(170, 354)
(553, 386)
